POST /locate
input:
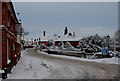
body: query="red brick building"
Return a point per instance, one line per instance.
(72, 40)
(10, 32)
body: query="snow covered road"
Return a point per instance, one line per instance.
(36, 65)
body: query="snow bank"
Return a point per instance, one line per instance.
(112, 60)
(29, 68)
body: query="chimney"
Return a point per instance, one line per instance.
(65, 31)
(74, 34)
(69, 34)
(44, 34)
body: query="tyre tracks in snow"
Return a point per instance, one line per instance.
(65, 68)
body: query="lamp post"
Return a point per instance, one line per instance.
(108, 41)
(39, 41)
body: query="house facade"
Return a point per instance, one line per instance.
(72, 40)
(10, 35)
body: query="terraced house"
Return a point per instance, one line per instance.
(10, 36)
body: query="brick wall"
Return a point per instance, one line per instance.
(0, 35)
(4, 14)
(0, 48)
(8, 33)
(0, 13)
(4, 48)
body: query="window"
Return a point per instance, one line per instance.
(13, 47)
(8, 51)
(9, 18)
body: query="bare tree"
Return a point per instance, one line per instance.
(24, 33)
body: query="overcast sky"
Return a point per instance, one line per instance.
(84, 18)
(65, 0)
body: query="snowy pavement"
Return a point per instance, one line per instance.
(38, 65)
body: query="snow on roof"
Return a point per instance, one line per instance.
(46, 38)
(67, 38)
(56, 38)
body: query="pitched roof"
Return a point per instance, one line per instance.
(62, 38)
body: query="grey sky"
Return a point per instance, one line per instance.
(85, 18)
(65, 0)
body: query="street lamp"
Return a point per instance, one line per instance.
(108, 41)
(39, 41)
